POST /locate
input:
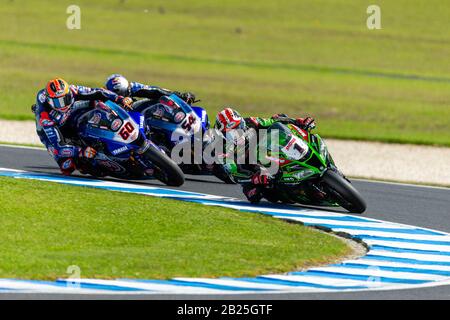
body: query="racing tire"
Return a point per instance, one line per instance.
(168, 171)
(270, 195)
(345, 194)
(219, 172)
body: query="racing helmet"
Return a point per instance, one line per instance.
(118, 84)
(59, 95)
(229, 119)
(231, 124)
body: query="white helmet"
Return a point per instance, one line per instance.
(118, 84)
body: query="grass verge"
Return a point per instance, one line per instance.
(47, 227)
(297, 57)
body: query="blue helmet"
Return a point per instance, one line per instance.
(118, 84)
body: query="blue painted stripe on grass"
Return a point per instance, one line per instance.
(62, 283)
(153, 190)
(157, 190)
(161, 191)
(95, 286)
(135, 190)
(255, 209)
(43, 282)
(337, 275)
(198, 284)
(405, 260)
(395, 269)
(27, 175)
(265, 280)
(393, 239)
(337, 218)
(419, 251)
(393, 230)
(272, 211)
(168, 192)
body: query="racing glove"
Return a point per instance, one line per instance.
(126, 102)
(261, 178)
(278, 116)
(305, 123)
(67, 166)
(88, 153)
(189, 97)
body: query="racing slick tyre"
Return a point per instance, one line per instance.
(167, 171)
(219, 172)
(270, 196)
(345, 194)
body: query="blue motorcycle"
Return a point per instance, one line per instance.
(124, 150)
(184, 123)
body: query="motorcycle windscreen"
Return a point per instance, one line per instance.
(203, 115)
(128, 132)
(113, 124)
(280, 139)
(295, 149)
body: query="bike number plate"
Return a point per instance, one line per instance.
(127, 133)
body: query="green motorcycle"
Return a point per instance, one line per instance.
(306, 171)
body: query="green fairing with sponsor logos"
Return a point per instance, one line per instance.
(303, 171)
(306, 172)
(314, 160)
(301, 156)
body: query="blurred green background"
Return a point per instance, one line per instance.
(298, 57)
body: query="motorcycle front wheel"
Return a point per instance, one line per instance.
(167, 171)
(344, 193)
(219, 172)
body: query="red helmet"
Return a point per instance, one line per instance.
(228, 119)
(59, 95)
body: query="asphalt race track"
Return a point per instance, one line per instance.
(419, 206)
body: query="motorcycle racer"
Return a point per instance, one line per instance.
(155, 104)
(253, 177)
(56, 108)
(121, 86)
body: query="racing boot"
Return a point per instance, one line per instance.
(67, 166)
(252, 193)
